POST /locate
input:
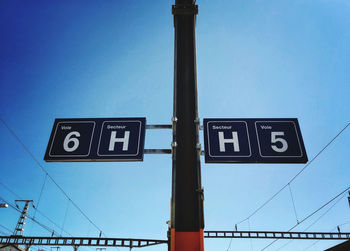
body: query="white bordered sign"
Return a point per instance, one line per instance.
(112, 139)
(253, 141)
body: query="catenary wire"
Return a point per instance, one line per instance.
(1, 232)
(311, 214)
(280, 190)
(39, 212)
(48, 175)
(8, 189)
(65, 214)
(346, 223)
(51, 178)
(35, 208)
(39, 199)
(295, 211)
(41, 193)
(28, 216)
(315, 221)
(308, 164)
(5, 228)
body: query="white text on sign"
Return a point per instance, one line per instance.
(124, 140)
(233, 140)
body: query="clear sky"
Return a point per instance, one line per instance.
(255, 59)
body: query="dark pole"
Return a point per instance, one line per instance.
(187, 220)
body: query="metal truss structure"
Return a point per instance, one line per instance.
(139, 243)
(79, 241)
(277, 235)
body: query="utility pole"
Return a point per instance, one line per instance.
(19, 229)
(187, 219)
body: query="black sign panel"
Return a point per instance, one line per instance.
(253, 141)
(112, 139)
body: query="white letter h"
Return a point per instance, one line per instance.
(124, 140)
(223, 141)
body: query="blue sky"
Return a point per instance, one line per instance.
(81, 59)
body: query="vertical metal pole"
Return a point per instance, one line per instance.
(169, 239)
(187, 220)
(19, 229)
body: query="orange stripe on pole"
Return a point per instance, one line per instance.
(201, 239)
(172, 240)
(187, 241)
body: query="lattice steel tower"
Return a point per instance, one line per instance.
(21, 221)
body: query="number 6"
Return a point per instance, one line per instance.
(68, 139)
(274, 139)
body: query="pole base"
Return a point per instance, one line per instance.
(187, 241)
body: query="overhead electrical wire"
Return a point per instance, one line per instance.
(36, 209)
(41, 193)
(11, 191)
(346, 223)
(29, 217)
(247, 218)
(65, 215)
(52, 231)
(315, 221)
(295, 211)
(5, 228)
(39, 199)
(311, 214)
(62, 230)
(1, 232)
(291, 180)
(48, 175)
(318, 154)
(51, 178)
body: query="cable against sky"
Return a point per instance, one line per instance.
(48, 175)
(36, 209)
(308, 164)
(343, 224)
(311, 214)
(7, 229)
(315, 221)
(30, 217)
(288, 184)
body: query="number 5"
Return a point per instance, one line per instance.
(274, 139)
